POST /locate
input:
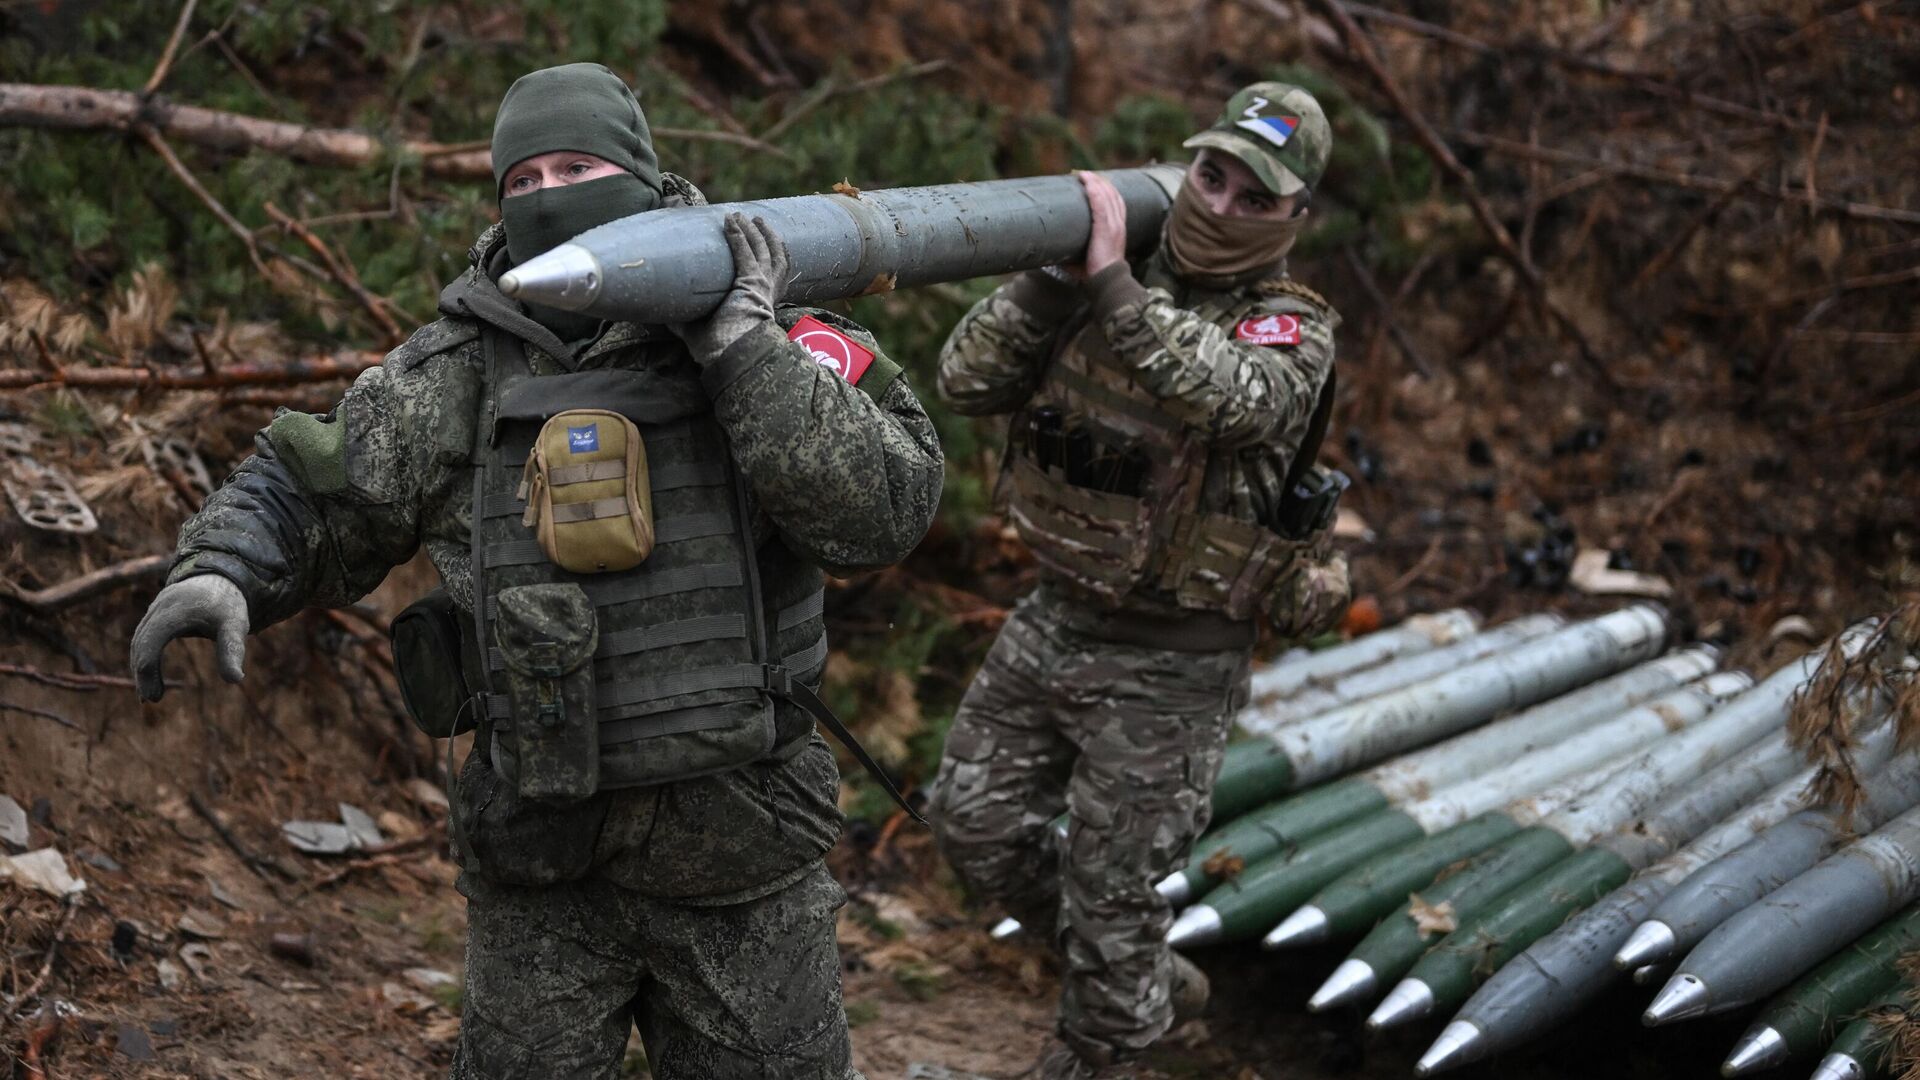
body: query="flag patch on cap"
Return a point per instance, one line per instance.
(1275, 129)
(1269, 330)
(832, 349)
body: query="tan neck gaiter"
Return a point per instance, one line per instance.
(1221, 252)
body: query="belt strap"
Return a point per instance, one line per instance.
(780, 682)
(1309, 451)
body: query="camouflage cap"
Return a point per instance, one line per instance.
(1279, 130)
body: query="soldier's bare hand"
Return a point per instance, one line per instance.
(205, 606)
(1108, 242)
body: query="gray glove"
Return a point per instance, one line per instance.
(204, 606)
(759, 280)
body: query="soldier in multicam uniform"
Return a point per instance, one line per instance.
(676, 880)
(1159, 410)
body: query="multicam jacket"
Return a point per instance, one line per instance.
(839, 477)
(1192, 354)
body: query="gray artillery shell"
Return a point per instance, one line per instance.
(1333, 743)
(1563, 972)
(673, 265)
(1695, 808)
(1794, 927)
(1265, 717)
(1418, 634)
(1805, 1016)
(1540, 727)
(1715, 892)
(1566, 970)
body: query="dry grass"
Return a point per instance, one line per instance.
(1848, 692)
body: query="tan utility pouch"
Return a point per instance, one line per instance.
(589, 499)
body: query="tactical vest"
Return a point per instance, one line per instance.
(665, 671)
(1110, 544)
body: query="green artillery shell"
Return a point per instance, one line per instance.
(1859, 1052)
(1394, 946)
(1279, 827)
(1254, 771)
(1265, 893)
(1484, 942)
(1371, 891)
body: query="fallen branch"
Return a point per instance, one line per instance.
(1386, 310)
(56, 597)
(172, 49)
(1442, 155)
(1642, 80)
(84, 108)
(41, 714)
(259, 864)
(66, 680)
(292, 373)
(70, 905)
(830, 89)
(379, 307)
(1719, 185)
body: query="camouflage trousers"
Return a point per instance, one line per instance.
(558, 975)
(1127, 741)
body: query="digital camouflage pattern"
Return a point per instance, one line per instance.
(557, 977)
(1128, 741)
(839, 477)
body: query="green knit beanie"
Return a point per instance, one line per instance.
(581, 107)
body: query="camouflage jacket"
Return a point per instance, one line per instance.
(846, 479)
(1250, 402)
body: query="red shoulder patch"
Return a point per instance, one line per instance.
(1269, 330)
(832, 349)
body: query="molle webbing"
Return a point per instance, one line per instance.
(688, 656)
(1161, 538)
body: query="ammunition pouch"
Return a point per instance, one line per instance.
(1099, 541)
(545, 636)
(428, 663)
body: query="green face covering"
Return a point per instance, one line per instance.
(542, 220)
(587, 109)
(1222, 252)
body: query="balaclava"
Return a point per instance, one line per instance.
(1279, 132)
(584, 108)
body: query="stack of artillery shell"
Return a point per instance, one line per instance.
(1627, 803)
(1803, 921)
(1592, 845)
(1350, 823)
(1285, 824)
(1571, 967)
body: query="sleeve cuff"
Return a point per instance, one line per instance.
(1114, 288)
(1044, 296)
(747, 351)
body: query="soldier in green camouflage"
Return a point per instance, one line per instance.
(1160, 410)
(699, 909)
